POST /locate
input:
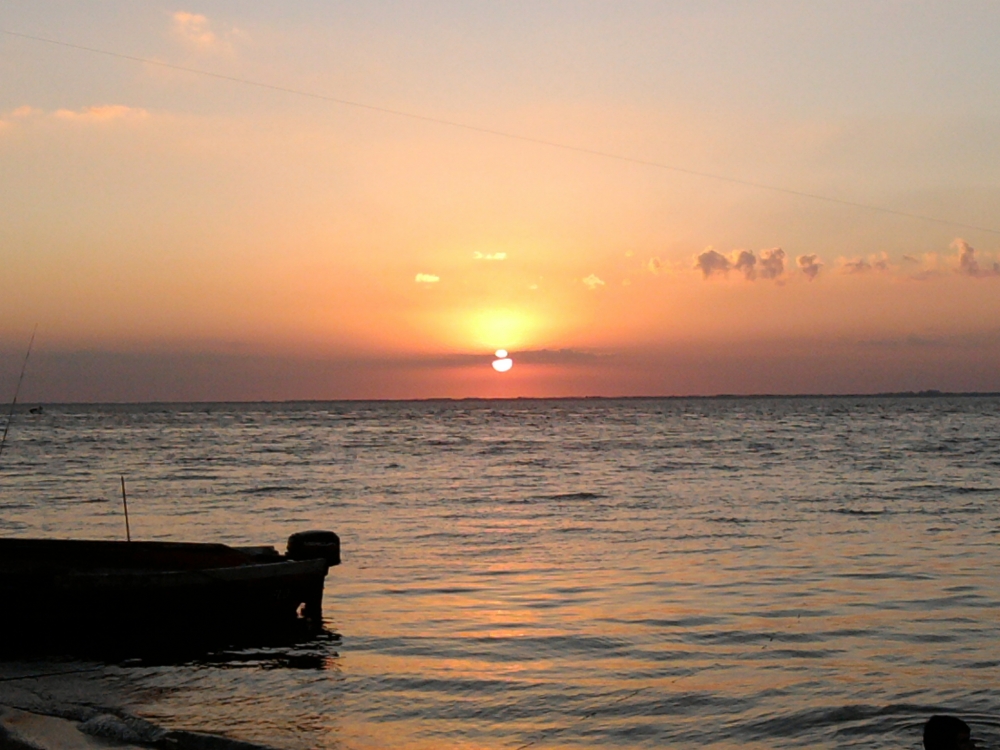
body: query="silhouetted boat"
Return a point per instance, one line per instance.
(77, 594)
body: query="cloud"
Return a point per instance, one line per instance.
(528, 356)
(712, 262)
(559, 357)
(856, 266)
(25, 111)
(745, 264)
(489, 256)
(655, 265)
(865, 265)
(102, 113)
(770, 264)
(427, 278)
(194, 28)
(967, 263)
(197, 31)
(592, 282)
(20, 113)
(976, 340)
(810, 265)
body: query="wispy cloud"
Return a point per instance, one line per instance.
(102, 113)
(18, 114)
(878, 262)
(592, 282)
(974, 340)
(489, 256)
(654, 265)
(810, 265)
(197, 31)
(427, 278)
(30, 116)
(194, 28)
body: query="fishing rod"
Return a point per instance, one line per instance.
(17, 390)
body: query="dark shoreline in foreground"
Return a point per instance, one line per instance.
(927, 394)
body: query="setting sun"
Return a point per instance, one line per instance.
(502, 363)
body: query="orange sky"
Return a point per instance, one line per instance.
(180, 237)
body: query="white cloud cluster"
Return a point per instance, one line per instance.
(427, 278)
(964, 261)
(968, 265)
(489, 256)
(592, 282)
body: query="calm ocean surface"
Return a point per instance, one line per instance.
(741, 573)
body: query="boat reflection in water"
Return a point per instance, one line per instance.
(83, 596)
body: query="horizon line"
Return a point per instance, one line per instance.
(926, 393)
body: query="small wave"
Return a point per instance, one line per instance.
(573, 496)
(693, 621)
(267, 489)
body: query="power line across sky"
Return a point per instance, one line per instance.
(506, 134)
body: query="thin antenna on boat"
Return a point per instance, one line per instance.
(128, 533)
(17, 390)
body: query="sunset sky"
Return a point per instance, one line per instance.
(179, 236)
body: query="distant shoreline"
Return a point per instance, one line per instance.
(927, 394)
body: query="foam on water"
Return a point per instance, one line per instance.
(646, 573)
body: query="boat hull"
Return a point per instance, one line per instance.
(131, 596)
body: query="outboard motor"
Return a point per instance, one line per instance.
(312, 545)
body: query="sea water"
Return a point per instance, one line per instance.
(751, 573)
